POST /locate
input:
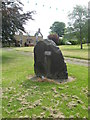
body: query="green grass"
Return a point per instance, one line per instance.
(25, 49)
(72, 51)
(19, 92)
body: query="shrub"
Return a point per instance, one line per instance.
(73, 42)
(62, 41)
(54, 37)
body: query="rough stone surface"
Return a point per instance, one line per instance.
(49, 61)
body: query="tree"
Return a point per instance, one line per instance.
(78, 20)
(88, 21)
(54, 37)
(58, 28)
(13, 19)
(69, 34)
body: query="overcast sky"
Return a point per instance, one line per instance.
(47, 12)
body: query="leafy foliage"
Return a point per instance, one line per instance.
(58, 28)
(73, 42)
(78, 23)
(54, 37)
(13, 19)
(62, 41)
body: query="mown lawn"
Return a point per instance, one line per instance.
(72, 51)
(26, 98)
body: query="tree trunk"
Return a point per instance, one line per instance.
(9, 44)
(81, 44)
(81, 37)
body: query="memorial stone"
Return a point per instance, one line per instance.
(49, 61)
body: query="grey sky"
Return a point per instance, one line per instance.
(49, 11)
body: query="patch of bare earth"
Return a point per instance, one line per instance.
(56, 81)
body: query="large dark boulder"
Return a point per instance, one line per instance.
(49, 61)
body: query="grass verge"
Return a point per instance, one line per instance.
(25, 98)
(72, 51)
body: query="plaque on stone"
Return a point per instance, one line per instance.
(47, 52)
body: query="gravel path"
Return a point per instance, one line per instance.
(77, 61)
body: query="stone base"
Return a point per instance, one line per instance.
(57, 81)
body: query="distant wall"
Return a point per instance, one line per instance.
(25, 38)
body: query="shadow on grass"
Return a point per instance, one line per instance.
(7, 59)
(8, 55)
